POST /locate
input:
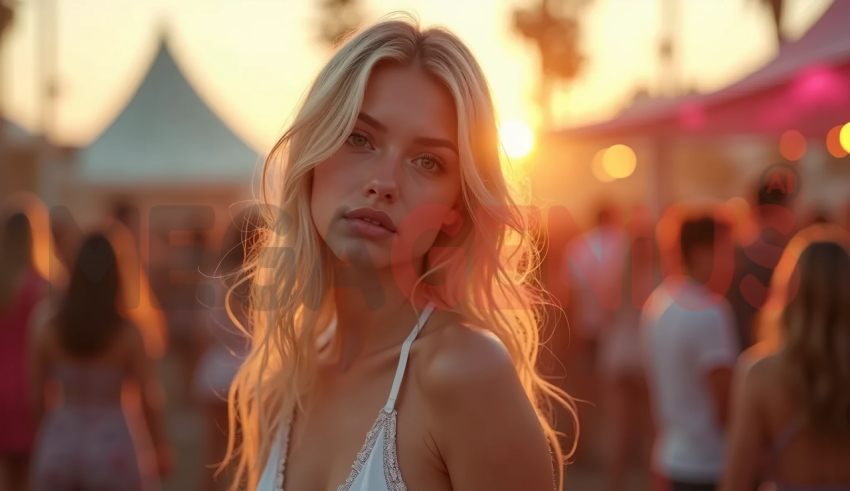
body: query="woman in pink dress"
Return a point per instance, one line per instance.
(90, 349)
(20, 291)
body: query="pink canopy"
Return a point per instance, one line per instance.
(805, 88)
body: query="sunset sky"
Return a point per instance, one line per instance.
(251, 60)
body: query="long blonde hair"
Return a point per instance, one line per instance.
(292, 269)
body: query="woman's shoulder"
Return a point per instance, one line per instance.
(760, 367)
(475, 403)
(456, 359)
(759, 376)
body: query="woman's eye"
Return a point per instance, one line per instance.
(428, 163)
(358, 140)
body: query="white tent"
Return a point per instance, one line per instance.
(166, 135)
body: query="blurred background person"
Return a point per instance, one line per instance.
(761, 245)
(226, 345)
(626, 399)
(588, 263)
(592, 318)
(21, 289)
(89, 349)
(690, 347)
(791, 419)
(143, 307)
(187, 323)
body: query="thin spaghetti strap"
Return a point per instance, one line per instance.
(402, 359)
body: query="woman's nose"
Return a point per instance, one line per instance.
(382, 190)
(382, 185)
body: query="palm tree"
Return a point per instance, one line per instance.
(553, 27)
(5, 16)
(338, 17)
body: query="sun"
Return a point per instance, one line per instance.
(517, 138)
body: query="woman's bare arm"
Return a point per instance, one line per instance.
(485, 428)
(150, 390)
(747, 436)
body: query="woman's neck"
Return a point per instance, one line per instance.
(372, 312)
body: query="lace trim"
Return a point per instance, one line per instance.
(392, 476)
(284, 449)
(392, 473)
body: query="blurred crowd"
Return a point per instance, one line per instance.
(710, 348)
(89, 343)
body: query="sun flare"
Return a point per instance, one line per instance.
(517, 138)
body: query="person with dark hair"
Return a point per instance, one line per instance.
(690, 346)
(761, 244)
(90, 350)
(791, 412)
(21, 289)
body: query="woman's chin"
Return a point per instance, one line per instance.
(362, 254)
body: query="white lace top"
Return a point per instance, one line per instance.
(371, 471)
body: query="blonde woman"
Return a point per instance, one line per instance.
(391, 298)
(791, 412)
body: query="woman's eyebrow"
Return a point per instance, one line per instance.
(436, 142)
(371, 122)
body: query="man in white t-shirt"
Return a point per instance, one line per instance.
(690, 344)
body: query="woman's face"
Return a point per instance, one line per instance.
(400, 157)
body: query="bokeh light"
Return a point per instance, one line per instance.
(844, 137)
(792, 145)
(517, 138)
(833, 143)
(619, 161)
(597, 168)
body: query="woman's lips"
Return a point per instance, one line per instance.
(371, 222)
(368, 228)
